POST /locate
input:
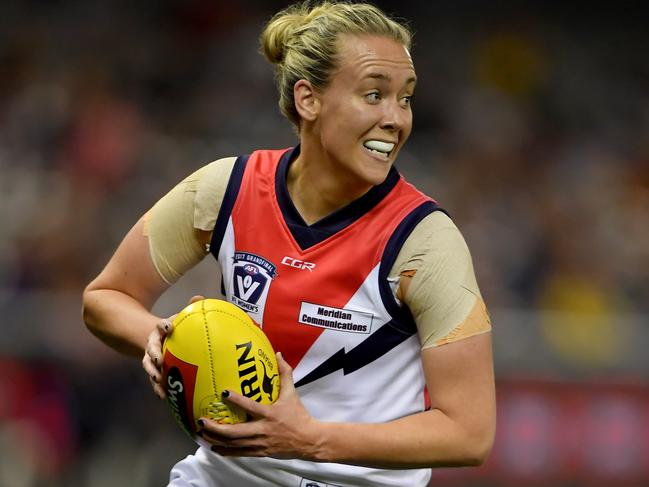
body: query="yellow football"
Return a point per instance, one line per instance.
(216, 346)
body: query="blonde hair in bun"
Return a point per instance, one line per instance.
(301, 42)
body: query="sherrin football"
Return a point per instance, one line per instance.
(216, 346)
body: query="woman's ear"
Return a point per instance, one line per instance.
(307, 102)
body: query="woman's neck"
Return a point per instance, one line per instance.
(318, 188)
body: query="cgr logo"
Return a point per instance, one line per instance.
(298, 264)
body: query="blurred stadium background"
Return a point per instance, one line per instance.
(531, 128)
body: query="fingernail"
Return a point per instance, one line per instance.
(225, 394)
(201, 423)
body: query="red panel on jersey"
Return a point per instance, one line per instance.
(328, 273)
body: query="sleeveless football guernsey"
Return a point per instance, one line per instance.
(320, 293)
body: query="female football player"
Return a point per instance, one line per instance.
(362, 283)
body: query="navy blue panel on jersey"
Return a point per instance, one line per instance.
(401, 314)
(372, 348)
(309, 235)
(229, 198)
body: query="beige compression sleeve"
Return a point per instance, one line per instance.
(443, 294)
(176, 220)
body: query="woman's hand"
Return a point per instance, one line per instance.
(281, 430)
(152, 360)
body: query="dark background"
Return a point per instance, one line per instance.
(531, 128)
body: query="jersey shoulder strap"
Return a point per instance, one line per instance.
(229, 198)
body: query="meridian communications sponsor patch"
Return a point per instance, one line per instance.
(331, 318)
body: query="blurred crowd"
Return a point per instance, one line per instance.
(531, 128)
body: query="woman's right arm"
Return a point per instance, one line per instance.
(117, 303)
(173, 234)
(164, 244)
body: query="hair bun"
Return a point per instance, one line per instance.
(276, 37)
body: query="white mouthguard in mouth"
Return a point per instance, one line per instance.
(379, 146)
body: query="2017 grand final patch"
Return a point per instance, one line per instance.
(252, 275)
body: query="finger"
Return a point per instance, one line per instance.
(218, 439)
(226, 432)
(253, 408)
(165, 326)
(155, 377)
(158, 389)
(195, 298)
(253, 442)
(238, 435)
(154, 349)
(151, 369)
(213, 438)
(285, 375)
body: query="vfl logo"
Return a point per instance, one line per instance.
(248, 281)
(252, 275)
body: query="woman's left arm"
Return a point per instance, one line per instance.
(457, 431)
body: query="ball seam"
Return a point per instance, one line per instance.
(209, 343)
(209, 349)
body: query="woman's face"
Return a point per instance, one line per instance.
(365, 115)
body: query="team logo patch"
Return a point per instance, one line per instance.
(252, 275)
(340, 319)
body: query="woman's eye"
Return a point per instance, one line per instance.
(406, 101)
(373, 97)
